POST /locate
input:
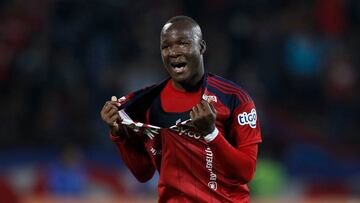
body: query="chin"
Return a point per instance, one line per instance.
(182, 78)
(187, 83)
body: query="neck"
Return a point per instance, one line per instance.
(188, 86)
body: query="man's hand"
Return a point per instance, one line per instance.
(110, 116)
(203, 116)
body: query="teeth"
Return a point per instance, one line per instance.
(178, 65)
(179, 69)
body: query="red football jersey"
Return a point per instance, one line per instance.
(191, 169)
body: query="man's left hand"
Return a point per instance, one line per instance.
(203, 116)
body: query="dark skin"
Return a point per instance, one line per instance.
(182, 49)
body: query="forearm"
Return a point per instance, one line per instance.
(238, 163)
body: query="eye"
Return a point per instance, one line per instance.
(184, 43)
(165, 46)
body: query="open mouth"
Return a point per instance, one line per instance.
(179, 67)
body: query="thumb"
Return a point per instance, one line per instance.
(115, 124)
(212, 107)
(113, 98)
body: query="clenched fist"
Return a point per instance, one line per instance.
(109, 114)
(203, 116)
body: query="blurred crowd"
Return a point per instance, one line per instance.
(60, 60)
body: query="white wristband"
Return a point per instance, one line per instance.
(210, 137)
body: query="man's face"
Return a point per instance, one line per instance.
(181, 51)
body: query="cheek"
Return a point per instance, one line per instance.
(194, 56)
(194, 52)
(164, 57)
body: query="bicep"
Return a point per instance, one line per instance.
(245, 127)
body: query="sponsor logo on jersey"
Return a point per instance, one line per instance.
(209, 166)
(186, 131)
(248, 118)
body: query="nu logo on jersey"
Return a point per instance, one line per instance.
(248, 118)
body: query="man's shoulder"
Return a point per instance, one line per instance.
(150, 87)
(142, 95)
(223, 80)
(227, 88)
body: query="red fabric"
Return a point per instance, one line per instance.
(239, 162)
(174, 100)
(187, 163)
(243, 135)
(233, 161)
(135, 156)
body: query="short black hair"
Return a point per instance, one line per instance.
(182, 18)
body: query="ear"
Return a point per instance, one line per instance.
(202, 46)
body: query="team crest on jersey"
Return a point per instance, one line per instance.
(209, 98)
(248, 118)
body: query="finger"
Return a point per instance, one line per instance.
(195, 110)
(192, 116)
(110, 106)
(113, 121)
(114, 99)
(112, 112)
(208, 107)
(115, 103)
(114, 118)
(212, 107)
(106, 116)
(205, 105)
(105, 107)
(201, 108)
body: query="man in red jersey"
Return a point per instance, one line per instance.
(207, 132)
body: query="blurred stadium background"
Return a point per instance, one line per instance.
(60, 60)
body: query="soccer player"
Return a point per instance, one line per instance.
(206, 143)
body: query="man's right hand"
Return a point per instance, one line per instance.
(109, 114)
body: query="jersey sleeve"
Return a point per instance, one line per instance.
(245, 125)
(135, 156)
(238, 150)
(131, 149)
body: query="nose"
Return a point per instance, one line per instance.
(173, 52)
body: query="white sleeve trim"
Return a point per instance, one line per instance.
(210, 137)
